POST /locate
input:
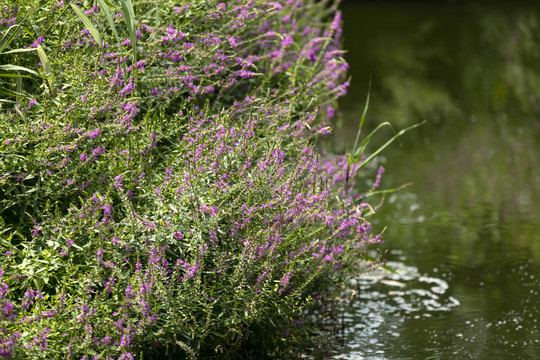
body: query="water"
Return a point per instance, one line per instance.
(380, 302)
(464, 238)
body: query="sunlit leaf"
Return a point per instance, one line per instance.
(44, 61)
(10, 67)
(93, 31)
(129, 15)
(107, 12)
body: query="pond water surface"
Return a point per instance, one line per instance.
(464, 238)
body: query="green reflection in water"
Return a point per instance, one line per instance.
(472, 215)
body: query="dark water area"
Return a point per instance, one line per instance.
(464, 238)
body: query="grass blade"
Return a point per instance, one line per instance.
(368, 138)
(61, 34)
(19, 51)
(387, 191)
(8, 92)
(349, 162)
(48, 68)
(10, 67)
(363, 117)
(379, 150)
(158, 20)
(107, 12)
(16, 76)
(129, 15)
(93, 31)
(18, 85)
(44, 61)
(108, 15)
(5, 41)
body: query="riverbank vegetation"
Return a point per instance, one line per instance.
(161, 194)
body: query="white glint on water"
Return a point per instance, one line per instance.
(381, 302)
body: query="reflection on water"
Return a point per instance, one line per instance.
(469, 226)
(379, 304)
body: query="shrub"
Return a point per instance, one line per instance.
(161, 192)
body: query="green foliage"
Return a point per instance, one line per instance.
(13, 71)
(88, 24)
(356, 156)
(171, 203)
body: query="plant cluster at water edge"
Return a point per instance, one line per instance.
(161, 194)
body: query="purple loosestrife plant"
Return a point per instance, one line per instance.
(176, 205)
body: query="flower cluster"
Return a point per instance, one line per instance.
(167, 195)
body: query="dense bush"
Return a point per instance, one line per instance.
(160, 190)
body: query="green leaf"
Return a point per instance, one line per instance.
(107, 12)
(45, 61)
(7, 243)
(129, 15)
(5, 41)
(8, 92)
(19, 50)
(157, 15)
(61, 34)
(18, 84)
(379, 150)
(363, 117)
(48, 68)
(10, 67)
(93, 31)
(368, 138)
(17, 76)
